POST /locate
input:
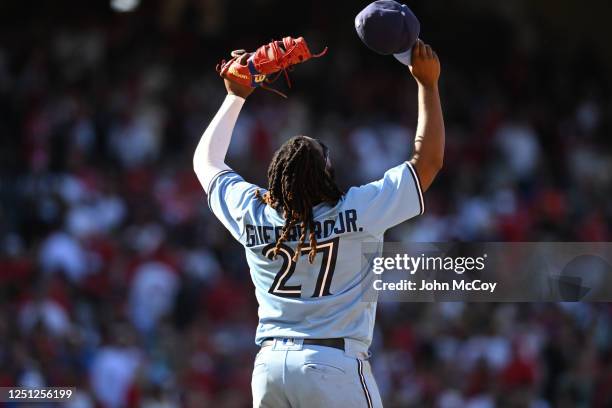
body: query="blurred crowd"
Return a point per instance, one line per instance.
(116, 279)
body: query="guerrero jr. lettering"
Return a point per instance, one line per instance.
(264, 234)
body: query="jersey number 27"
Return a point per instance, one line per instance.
(279, 287)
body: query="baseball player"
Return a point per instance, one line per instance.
(303, 235)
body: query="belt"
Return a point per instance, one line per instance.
(335, 343)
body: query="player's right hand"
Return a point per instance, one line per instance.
(425, 65)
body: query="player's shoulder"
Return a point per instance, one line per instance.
(224, 179)
(361, 194)
(392, 175)
(229, 189)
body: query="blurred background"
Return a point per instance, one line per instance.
(115, 277)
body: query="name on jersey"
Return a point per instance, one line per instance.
(265, 234)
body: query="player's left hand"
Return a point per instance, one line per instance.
(237, 89)
(425, 65)
(234, 88)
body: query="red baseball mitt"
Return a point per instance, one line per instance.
(255, 69)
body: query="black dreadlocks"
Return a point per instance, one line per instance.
(298, 179)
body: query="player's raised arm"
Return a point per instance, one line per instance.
(429, 141)
(209, 156)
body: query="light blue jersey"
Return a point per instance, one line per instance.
(323, 299)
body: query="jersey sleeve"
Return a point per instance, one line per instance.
(230, 198)
(389, 201)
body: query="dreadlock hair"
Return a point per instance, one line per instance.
(297, 181)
